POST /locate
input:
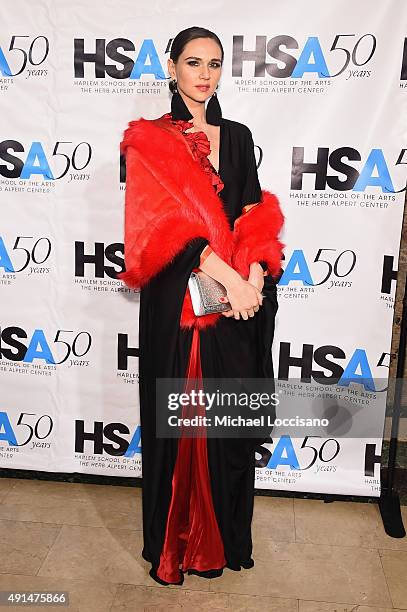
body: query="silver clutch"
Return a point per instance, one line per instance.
(205, 293)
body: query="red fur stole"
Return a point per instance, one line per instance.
(170, 200)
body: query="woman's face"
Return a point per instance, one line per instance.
(198, 69)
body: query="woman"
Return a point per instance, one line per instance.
(193, 201)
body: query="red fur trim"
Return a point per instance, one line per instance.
(256, 236)
(170, 165)
(169, 201)
(189, 318)
(150, 215)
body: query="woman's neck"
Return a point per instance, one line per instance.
(197, 110)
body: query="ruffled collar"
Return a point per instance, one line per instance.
(200, 148)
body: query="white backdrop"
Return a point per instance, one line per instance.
(323, 88)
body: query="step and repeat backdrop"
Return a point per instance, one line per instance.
(323, 88)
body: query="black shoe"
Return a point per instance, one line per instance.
(154, 576)
(247, 564)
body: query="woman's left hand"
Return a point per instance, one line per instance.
(256, 278)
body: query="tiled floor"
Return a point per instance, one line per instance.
(86, 539)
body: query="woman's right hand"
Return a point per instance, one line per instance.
(244, 298)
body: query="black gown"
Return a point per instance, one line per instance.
(232, 348)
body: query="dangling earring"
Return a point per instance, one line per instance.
(179, 110)
(213, 110)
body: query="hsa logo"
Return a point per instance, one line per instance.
(146, 62)
(374, 172)
(123, 447)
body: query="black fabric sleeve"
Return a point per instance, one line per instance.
(197, 245)
(252, 189)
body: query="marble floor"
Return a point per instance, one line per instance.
(86, 539)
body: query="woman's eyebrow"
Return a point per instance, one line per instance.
(217, 59)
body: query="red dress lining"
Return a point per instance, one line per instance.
(192, 537)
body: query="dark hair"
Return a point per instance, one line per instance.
(184, 37)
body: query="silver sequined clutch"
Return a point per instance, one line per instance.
(205, 293)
